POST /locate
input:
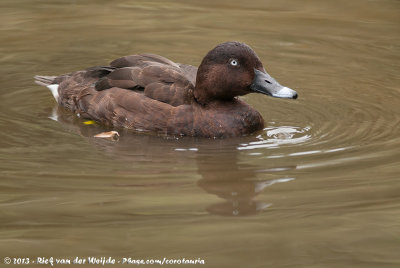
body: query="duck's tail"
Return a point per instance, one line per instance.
(48, 81)
(44, 80)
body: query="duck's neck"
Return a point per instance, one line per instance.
(206, 96)
(200, 97)
(204, 91)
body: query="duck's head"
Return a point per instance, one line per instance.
(233, 69)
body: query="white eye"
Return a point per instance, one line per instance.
(234, 62)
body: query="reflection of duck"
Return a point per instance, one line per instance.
(217, 163)
(152, 93)
(238, 185)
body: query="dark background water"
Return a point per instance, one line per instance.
(318, 187)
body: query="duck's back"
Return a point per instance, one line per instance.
(157, 77)
(153, 76)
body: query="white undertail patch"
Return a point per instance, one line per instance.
(54, 90)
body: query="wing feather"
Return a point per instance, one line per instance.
(159, 78)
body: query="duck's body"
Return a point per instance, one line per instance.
(151, 93)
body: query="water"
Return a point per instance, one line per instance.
(318, 187)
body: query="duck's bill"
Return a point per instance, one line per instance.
(265, 84)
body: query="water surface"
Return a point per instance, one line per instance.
(318, 187)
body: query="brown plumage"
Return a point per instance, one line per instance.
(151, 93)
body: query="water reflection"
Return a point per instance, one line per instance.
(238, 184)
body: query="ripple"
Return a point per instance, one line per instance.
(273, 137)
(186, 149)
(351, 126)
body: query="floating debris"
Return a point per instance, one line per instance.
(111, 135)
(90, 122)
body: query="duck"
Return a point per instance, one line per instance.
(150, 93)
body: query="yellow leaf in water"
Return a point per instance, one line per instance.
(90, 122)
(111, 135)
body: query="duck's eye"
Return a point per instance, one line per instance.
(234, 62)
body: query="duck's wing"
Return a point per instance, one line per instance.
(190, 72)
(158, 78)
(141, 61)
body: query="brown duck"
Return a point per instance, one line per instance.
(151, 93)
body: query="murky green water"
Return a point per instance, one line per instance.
(318, 187)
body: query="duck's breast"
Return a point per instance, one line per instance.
(220, 120)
